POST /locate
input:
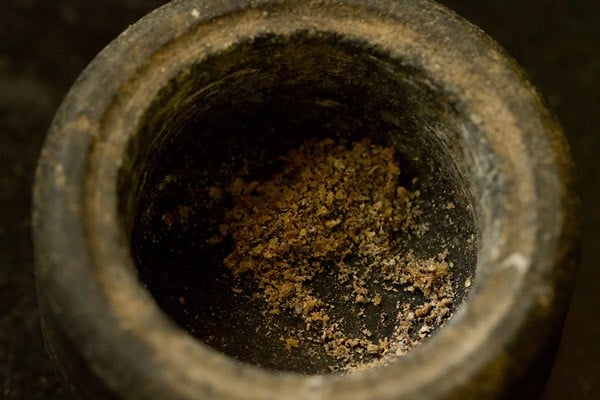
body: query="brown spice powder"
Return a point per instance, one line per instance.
(336, 205)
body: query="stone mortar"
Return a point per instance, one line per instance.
(453, 96)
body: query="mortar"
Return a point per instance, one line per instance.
(200, 91)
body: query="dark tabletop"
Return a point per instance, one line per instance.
(45, 44)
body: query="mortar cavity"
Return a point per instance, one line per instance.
(234, 115)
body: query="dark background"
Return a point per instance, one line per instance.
(44, 45)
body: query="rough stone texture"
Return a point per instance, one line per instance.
(555, 42)
(44, 46)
